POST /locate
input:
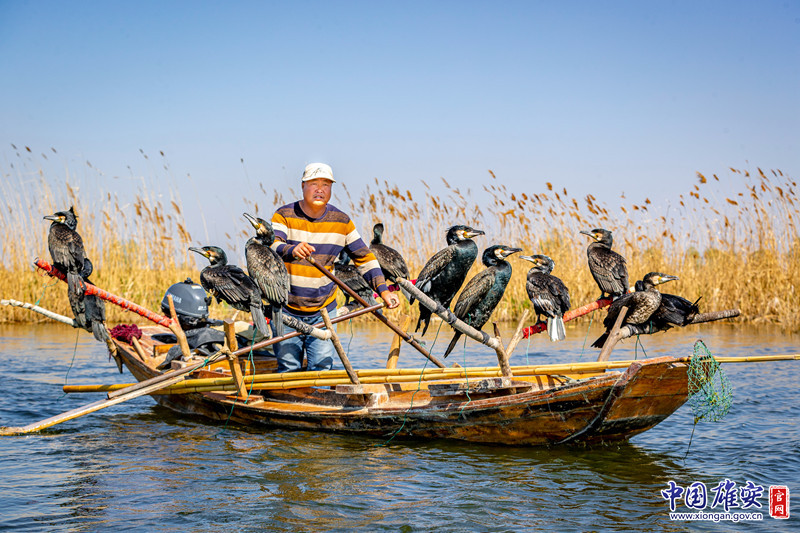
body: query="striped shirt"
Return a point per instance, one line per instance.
(310, 290)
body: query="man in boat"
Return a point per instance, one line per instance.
(311, 227)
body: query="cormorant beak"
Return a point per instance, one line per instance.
(55, 218)
(666, 278)
(529, 258)
(505, 252)
(473, 233)
(200, 251)
(589, 233)
(252, 220)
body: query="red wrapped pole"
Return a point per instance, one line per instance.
(572, 314)
(107, 296)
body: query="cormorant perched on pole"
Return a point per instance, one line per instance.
(267, 269)
(392, 263)
(445, 272)
(69, 256)
(641, 305)
(608, 268)
(548, 294)
(230, 284)
(673, 311)
(351, 277)
(483, 292)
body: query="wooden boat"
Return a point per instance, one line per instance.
(539, 406)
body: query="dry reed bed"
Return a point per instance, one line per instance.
(738, 248)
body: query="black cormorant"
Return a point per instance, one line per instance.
(608, 268)
(641, 305)
(392, 263)
(67, 252)
(673, 311)
(548, 294)
(351, 277)
(230, 284)
(445, 272)
(483, 292)
(267, 269)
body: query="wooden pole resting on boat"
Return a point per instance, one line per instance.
(394, 351)
(502, 357)
(233, 360)
(613, 336)
(448, 316)
(339, 348)
(176, 328)
(394, 327)
(518, 333)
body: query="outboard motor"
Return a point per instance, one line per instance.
(191, 304)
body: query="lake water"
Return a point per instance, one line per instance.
(139, 467)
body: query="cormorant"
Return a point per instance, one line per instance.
(392, 263)
(641, 305)
(483, 292)
(673, 311)
(267, 269)
(230, 284)
(608, 268)
(67, 252)
(445, 272)
(548, 294)
(351, 277)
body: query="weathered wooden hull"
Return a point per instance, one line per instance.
(601, 407)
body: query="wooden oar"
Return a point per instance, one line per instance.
(394, 327)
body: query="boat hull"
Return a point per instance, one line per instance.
(603, 407)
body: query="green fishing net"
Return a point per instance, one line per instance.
(710, 394)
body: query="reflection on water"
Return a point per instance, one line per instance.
(138, 466)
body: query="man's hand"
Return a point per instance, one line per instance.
(390, 299)
(303, 250)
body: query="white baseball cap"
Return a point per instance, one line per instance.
(318, 170)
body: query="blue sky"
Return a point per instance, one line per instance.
(599, 97)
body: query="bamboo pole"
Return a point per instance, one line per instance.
(391, 325)
(335, 377)
(42, 311)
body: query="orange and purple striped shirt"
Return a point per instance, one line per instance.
(310, 290)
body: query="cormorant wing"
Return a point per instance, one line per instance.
(626, 300)
(391, 261)
(434, 267)
(230, 283)
(476, 290)
(66, 247)
(351, 277)
(609, 270)
(271, 276)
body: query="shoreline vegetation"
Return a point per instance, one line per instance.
(732, 238)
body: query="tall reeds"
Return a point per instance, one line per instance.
(733, 239)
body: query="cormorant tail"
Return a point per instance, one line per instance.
(277, 319)
(556, 329)
(601, 340)
(259, 321)
(452, 344)
(100, 332)
(424, 318)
